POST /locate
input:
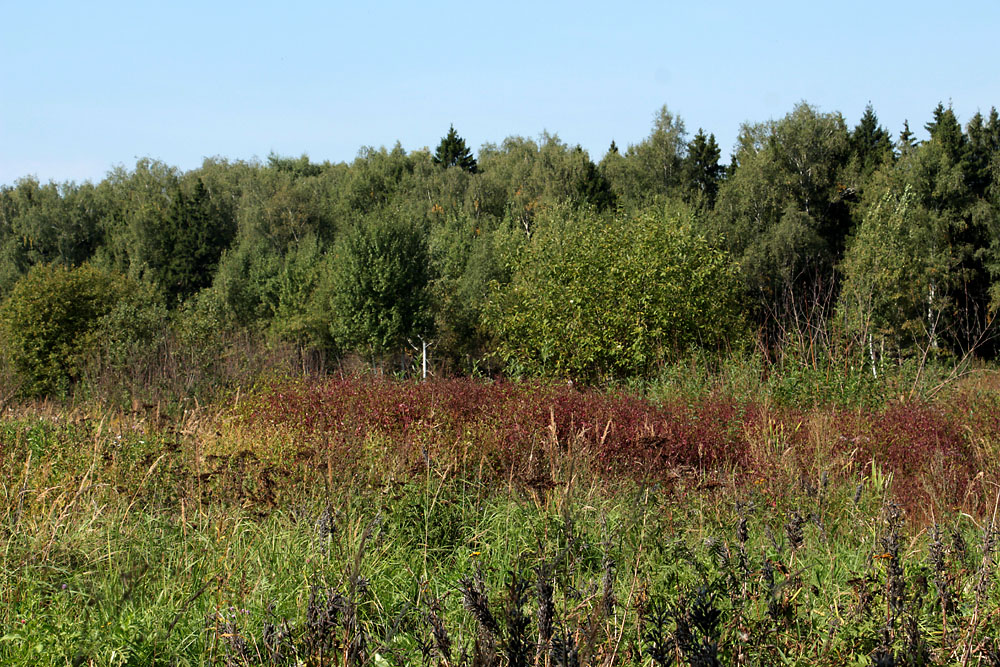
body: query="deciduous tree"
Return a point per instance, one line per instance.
(380, 296)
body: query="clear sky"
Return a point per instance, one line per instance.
(85, 86)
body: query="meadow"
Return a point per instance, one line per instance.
(374, 521)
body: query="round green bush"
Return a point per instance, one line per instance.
(51, 323)
(598, 297)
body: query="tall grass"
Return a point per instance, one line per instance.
(361, 522)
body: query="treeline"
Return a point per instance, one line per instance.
(528, 258)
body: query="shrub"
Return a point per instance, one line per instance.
(597, 297)
(50, 323)
(135, 326)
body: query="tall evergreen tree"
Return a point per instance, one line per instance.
(983, 147)
(590, 184)
(938, 173)
(870, 142)
(452, 152)
(946, 130)
(701, 169)
(184, 252)
(906, 141)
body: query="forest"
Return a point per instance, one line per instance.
(816, 241)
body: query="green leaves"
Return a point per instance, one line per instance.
(49, 322)
(380, 286)
(896, 277)
(595, 296)
(783, 212)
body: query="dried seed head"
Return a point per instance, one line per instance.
(793, 529)
(958, 546)
(742, 534)
(442, 640)
(546, 605)
(475, 601)
(608, 600)
(564, 651)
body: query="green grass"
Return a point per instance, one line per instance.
(125, 543)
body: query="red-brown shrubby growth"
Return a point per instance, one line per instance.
(505, 429)
(926, 449)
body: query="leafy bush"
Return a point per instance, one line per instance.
(134, 326)
(51, 322)
(595, 297)
(58, 321)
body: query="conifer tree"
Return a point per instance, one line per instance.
(184, 250)
(870, 142)
(452, 152)
(983, 146)
(946, 130)
(700, 167)
(906, 141)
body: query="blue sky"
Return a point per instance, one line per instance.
(86, 86)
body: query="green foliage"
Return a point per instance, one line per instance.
(136, 204)
(283, 217)
(700, 169)
(203, 330)
(40, 224)
(895, 279)
(375, 178)
(870, 143)
(135, 326)
(262, 234)
(983, 153)
(651, 169)
(380, 296)
(300, 166)
(298, 296)
(608, 296)
(452, 152)
(521, 178)
(959, 222)
(783, 211)
(50, 323)
(947, 132)
(465, 258)
(164, 229)
(184, 251)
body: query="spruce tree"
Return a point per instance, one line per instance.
(946, 130)
(184, 250)
(906, 141)
(700, 167)
(452, 152)
(983, 146)
(870, 142)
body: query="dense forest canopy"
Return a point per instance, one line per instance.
(529, 257)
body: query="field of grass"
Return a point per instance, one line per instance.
(379, 522)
